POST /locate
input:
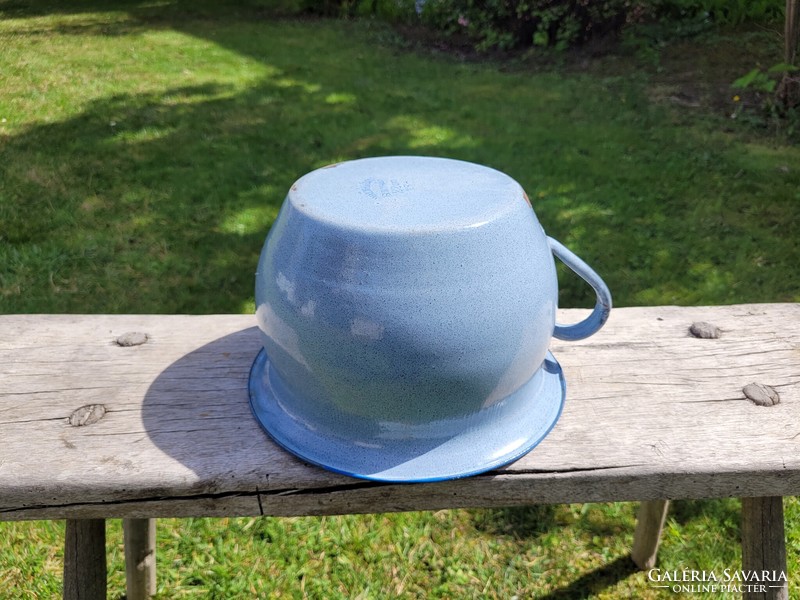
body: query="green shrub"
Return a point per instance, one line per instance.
(390, 10)
(721, 11)
(507, 24)
(741, 11)
(559, 24)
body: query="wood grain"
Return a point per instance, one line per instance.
(140, 558)
(649, 523)
(85, 559)
(764, 548)
(165, 429)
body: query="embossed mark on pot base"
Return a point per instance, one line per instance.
(380, 188)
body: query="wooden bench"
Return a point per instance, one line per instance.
(98, 424)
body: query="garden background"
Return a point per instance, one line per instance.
(146, 147)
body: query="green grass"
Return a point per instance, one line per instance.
(564, 551)
(145, 149)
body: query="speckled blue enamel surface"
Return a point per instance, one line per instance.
(406, 305)
(433, 451)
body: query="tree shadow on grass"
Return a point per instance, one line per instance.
(533, 521)
(595, 581)
(530, 523)
(718, 519)
(158, 201)
(518, 521)
(722, 510)
(132, 207)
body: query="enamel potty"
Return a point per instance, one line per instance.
(406, 305)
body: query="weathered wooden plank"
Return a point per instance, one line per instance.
(764, 549)
(85, 559)
(652, 412)
(649, 523)
(140, 558)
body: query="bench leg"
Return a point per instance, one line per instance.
(85, 560)
(649, 523)
(140, 558)
(764, 545)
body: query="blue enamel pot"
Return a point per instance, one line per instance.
(406, 305)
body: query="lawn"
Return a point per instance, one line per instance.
(146, 147)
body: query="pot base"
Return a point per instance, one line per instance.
(500, 435)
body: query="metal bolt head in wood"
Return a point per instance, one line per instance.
(762, 395)
(132, 338)
(704, 330)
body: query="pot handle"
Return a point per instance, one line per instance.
(599, 316)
